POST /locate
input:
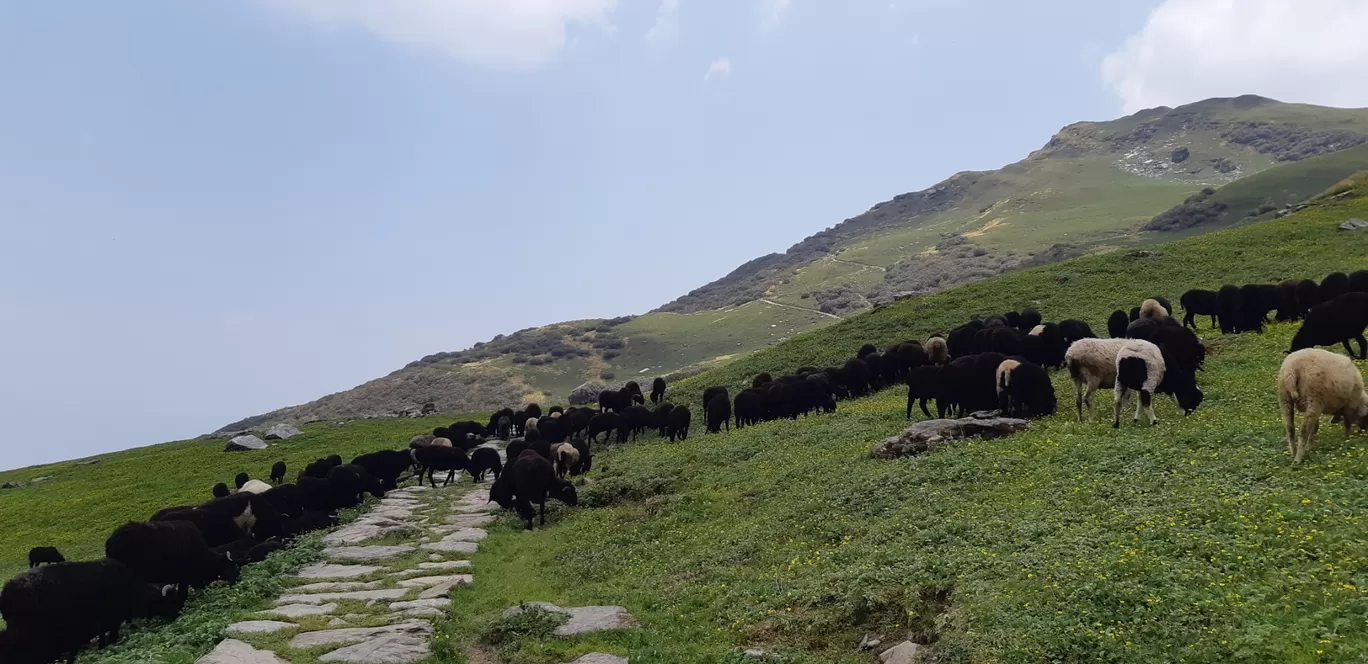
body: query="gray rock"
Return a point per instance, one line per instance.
(754, 653)
(434, 556)
(395, 649)
(448, 564)
(359, 595)
(366, 552)
(329, 571)
(1353, 224)
(586, 393)
(429, 581)
(366, 528)
(259, 627)
(88, 462)
(1180, 155)
(444, 589)
(281, 432)
(928, 435)
(232, 651)
(301, 610)
(470, 520)
(600, 658)
(329, 637)
(13, 484)
(452, 547)
(336, 622)
(583, 619)
(245, 443)
(903, 653)
(334, 586)
(420, 604)
(36, 480)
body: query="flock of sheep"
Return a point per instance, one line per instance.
(1001, 362)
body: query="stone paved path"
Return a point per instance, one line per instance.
(384, 577)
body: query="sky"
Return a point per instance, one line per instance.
(213, 209)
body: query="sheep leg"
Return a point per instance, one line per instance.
(1188, 320)
(1078, 400)
(1147, 402)
(1310, 424)
(1089, 398)
(542, 511)
(1118, 403)
(1363, 347)
(1289, 417)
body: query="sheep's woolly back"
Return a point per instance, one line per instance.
(567, 456)
(531, 424)
(1326, 380)
(937, 352)
(255, 486)
(1151, 308)
(1037, 330)
(440, 442)
(1094, 360)
(1138, 349)
(1004, 374)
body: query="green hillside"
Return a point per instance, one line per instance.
(1194, 541)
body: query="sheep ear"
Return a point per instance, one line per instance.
(166, 589)
(228, 555)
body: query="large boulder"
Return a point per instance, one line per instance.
(586, 393)
(245, 443)
(281, 432)
(1353, 224)
(930, 434)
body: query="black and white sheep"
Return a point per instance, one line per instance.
(1024, 389)
(565, 457)
(1338, 321)
(1317, 382)
(1139, 368)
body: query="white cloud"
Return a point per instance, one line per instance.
(502, 33)
(1311, 51)
(775, 11)
(666, 27)
(719, 68)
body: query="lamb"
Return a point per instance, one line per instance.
(278, 472)
(255, 486)
(1139, 367)
(1092, 363)
(1317, 382)
(385, 465)
(55, 610)
(39, 555)
(169, 552)
(1333, 285)
(1024, 389)
(240, 480)
(680, 419)
(432, 459)
(532, 479)
(657, 391)
(937, 351)
(1337, 321)
(220, 490)
(482, 460)
(1116, 324)
(923, 383)
(718, 414)
(1151, 308)
(566, 457)
(1198, 302)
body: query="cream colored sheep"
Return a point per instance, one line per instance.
(937, 352)
(1092, 362)
(255, 486)
(440, 442)
(1152, 309)
(1037, 330)
(1318, 382)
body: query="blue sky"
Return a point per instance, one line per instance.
(214, 209)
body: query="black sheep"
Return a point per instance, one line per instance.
(1025, 390)
(602, 423)
(534, 410)
(1182, 350)
(288, 499)
(1054, 345)
(614, 400)
(1073, 330)
(657, 391)
(1358, 281)
(252, 513)
(1198, 302)
(221, 490)
(1116, 324)
(55, 610)
(310, 521)
(680, 419)
(503, 427)
(385, 465)
(923, 383)
(874, 363)
(1308, 295)
(952, 385)
(241, 479)
(315, 494)
(761, 379)
(432, 459)
(749, 407)
(217, 529)
(900, 359)
(961, 339)
(482, 460)
(711, 392)
(856, 375)
(349, 483)
(1228, 309)
(278, 472)
(633, 421)
(317, 468)
(586, 458)
(660, 418)
(1333, 285)
(865, 350)
(531, 480)
(169, 552)
(40, 555)
(1337, 321)
(1134, 314)
(1029, 319)
(718, 414)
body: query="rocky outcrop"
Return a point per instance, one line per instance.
(928, 435)
(245, 443)
(281, 432)
(586, 393)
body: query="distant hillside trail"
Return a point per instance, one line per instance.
(794, 306)
(841, 260)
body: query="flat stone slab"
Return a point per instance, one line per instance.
(583, 619)
(329, 571)
(334, 586)
(475, 509)
(359, 595)
(328, 637)
(903, 653)
(420, 604)
(233, 651)
(444, 589)
(259, 627)
(420, 612)
(300, 610)
(395, 649)
(600, 658)
(447, 564)
(452, 546)
(467, 535)
(366, 528)
(367, 552)
(929, 435)
(428, 581)
(470, 520)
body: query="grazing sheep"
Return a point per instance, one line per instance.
(856, 374)
(1287, 301)
(749, 407)
(1336, 321)
(1116, 324)
(1024, 389)
(1151, 308)
(532, 479)
(1198, 302)
(288, 499)
(960, 341)
(602, 423)
(240, 480)
(349, 483)
(711, 392)
(169, 552)
(1072, 330)
(660, 418)
(718, 414)
(482, 460)
(40, 555)
(1134, 314)
(1092, 363)
(1308, 295)
(866, 350)
(762, 378)
(937, 351)
(1333, 285)
(385, 465)
(923, 384)
(657, 391)
(566, 457)
(1029, 319)
(55, 610)
(278, 472)
(1358, 281)
(503, 427)
(310, 521)
(1182, 349)
(1139, 367)
(680, 419)
(1228, 308)
(255, 486)
(432, 459)
(221, 490)
(1318, 382)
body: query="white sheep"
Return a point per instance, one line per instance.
(937, 352)
(1092, 362)
(1037, 330)
(1002, 380)
(566, 457)
(439, 442)
(1317, 382)
(255, 486)
(1151, 308)
(1139, 367)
